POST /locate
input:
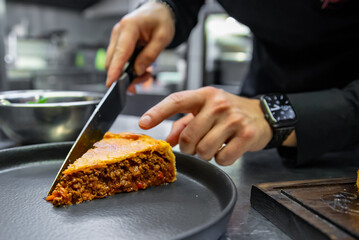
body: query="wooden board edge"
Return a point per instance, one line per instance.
(296, 226)
(305, 183)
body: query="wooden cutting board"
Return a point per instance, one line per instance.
(313, 209)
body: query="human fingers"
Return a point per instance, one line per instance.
(147, 76)
(111, 46)
(151, 51)
(233, 150)
(158, 31)
(189, 101)
(121, 53)
(131, 89)
(195, 130)
(213, 141)
(177, 128)
(152, 25)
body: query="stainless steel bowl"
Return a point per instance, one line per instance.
(60, 118)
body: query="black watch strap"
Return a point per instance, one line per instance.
(279, 135)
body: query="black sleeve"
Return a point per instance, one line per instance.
(328, 121)
(186, 13)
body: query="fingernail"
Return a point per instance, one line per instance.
(145, 121)
(140, 69)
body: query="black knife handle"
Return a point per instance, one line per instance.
(131, 63)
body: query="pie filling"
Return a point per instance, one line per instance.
(151, 169)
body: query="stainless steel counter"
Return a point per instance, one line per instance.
(253, 168)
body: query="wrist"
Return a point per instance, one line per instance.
(291, 140)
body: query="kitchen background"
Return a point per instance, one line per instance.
(61, 45)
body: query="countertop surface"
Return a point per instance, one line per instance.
(253, 168)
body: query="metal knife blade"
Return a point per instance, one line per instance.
(102, 117)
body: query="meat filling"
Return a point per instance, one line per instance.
(125, 176)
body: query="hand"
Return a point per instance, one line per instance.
(146, 80)
(219, 124)
(151, 25)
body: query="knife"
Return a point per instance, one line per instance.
(102, 117)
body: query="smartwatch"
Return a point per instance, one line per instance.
(280, 115)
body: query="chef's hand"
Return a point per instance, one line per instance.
(219, 124)
(151, 25)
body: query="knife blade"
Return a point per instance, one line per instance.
(102, 117)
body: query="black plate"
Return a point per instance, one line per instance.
(197, 206)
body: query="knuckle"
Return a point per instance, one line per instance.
(116, 28)
(234, 122)
(186, 138)
(162, 36)
(150, 55)
(176, 98)
(125, 21)
(202, 152)
(248, 133)
(214, 92)
(210, 90)
(220, 105)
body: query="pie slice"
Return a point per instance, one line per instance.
(121, 162)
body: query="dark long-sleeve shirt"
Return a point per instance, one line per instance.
(308, 52)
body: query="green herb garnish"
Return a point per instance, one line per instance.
(41, 100)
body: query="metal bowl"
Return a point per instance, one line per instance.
(60, 118)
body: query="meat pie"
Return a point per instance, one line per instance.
(122, 162)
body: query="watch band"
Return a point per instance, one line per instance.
(280, 115)
(279, 135)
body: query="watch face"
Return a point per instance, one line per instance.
(279, 109)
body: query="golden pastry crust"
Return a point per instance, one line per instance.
(115, 148)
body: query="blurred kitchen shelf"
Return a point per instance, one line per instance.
(70, 79)
(57, 79)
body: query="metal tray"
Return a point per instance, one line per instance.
(197, 206)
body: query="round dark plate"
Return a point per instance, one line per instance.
(196, 206)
